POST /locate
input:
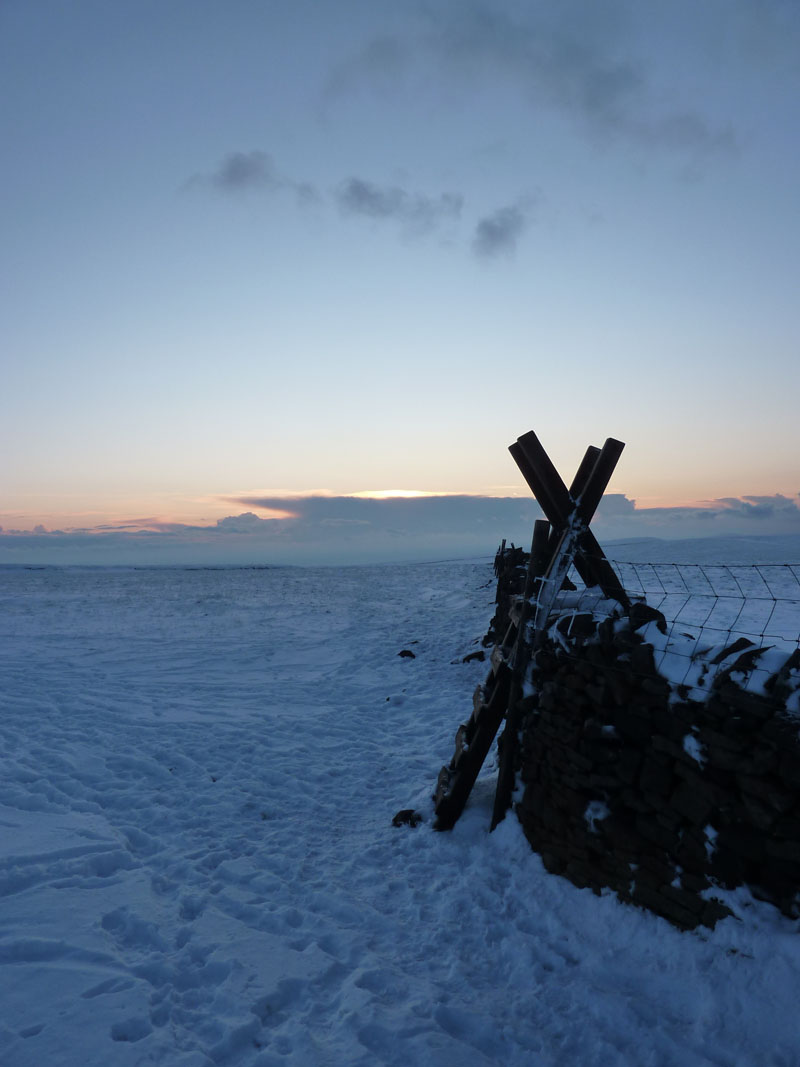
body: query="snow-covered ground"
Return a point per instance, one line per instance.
(197, 862)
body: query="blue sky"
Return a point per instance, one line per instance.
(260, 250)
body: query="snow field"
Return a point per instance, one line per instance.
(197, 863)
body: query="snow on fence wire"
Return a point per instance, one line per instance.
(749, 611)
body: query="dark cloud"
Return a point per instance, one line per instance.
(576, 57)
(757, 507)
(338, 530)
(552, 54)
(245, 170)
(512, 517)
(396, 513)
(726, 515)
(497, 234)
(415, 211)
(241, 172)
(246, 523)
(569, 56)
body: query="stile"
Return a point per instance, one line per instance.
(560, 540)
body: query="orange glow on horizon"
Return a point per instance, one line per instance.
(161, 511)
(390, 494)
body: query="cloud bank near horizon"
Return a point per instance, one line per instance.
(347, 530)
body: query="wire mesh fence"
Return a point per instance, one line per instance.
(742, 619)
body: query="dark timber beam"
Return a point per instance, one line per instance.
(557, 502)
(508, 741)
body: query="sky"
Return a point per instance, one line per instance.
(260, 257)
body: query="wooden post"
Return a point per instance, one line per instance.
(557, 503)
(456, 782)
(508, 741)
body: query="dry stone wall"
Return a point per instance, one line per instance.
(633, 784)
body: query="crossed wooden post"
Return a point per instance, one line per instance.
(574, 507)
(563, 539)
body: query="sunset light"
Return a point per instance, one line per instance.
(299, 300)
(389, 494)
(360, 286)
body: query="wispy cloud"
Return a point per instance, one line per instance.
(253, 171)
(415, 211)
(245, 170)
(256, 172)
(498, 233)
(576, 58)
